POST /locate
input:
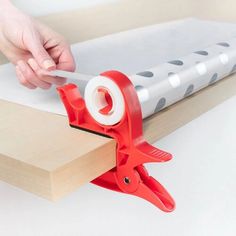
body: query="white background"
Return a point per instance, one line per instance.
(201, 177)
(44, 7)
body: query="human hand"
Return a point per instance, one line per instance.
(32, 47)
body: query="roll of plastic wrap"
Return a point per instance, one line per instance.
(165, 62)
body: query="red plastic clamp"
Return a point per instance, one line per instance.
(132, 151)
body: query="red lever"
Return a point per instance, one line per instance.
(129, 176)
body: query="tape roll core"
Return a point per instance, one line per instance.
(96, 101)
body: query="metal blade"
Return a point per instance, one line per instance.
(69, 75)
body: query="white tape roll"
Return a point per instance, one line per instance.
(95, 100)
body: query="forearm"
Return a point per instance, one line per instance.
(5, 5)
(6, 9)
(5, 2)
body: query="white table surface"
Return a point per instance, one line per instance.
(201, 177)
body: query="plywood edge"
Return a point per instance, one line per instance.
(53, 185)
(71, 176)
(27, 177)
(52, 160)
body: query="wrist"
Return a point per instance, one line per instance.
(5, 5)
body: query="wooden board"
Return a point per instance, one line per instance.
(40, 153)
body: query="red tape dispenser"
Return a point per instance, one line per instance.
(111, 107)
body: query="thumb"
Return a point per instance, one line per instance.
(41, 55)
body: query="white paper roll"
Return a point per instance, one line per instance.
(95, 100)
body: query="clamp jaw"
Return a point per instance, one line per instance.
(132, 151)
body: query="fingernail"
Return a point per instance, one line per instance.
(47, 64)
(33, 64)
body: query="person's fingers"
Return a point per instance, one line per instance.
(66, 60)
(30, 76)
(49, 79)
(34, 65)
(13, 53)
(22, 79)
(38, 51)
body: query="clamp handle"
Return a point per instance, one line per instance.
(129, 176)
